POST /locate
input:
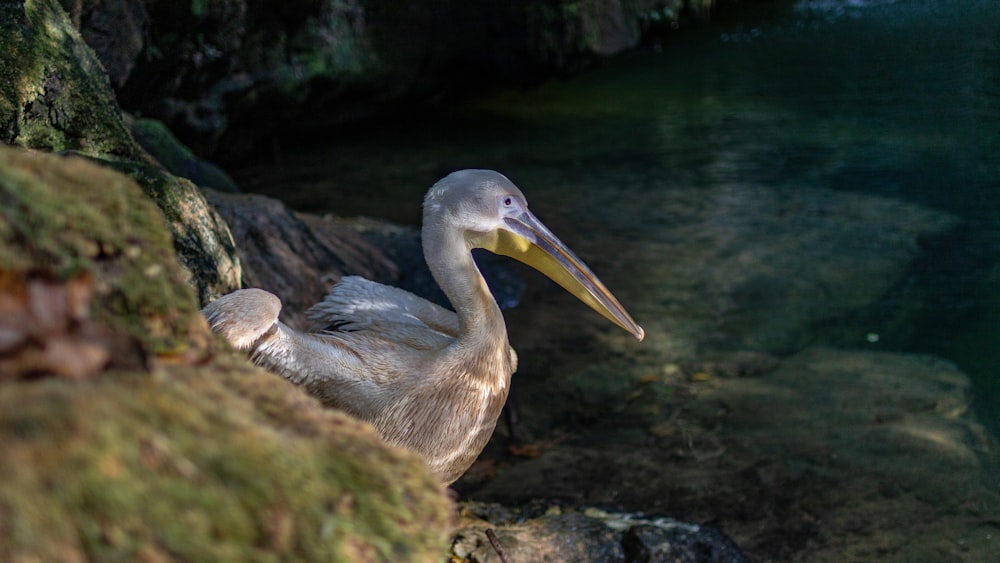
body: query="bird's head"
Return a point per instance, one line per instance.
(493, 214)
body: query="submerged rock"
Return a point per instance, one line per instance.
(830, 455)
(725, 415)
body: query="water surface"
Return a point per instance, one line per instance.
(895, 99)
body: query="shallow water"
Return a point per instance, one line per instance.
(899, 100)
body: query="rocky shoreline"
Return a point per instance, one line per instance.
(131, 433)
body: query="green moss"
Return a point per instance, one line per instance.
(64, 215)
(55, 94)
(186, 463)
(163, 188)
(218, 462)
(160, 142)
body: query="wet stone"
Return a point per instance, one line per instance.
(538, 533)
(676, 542)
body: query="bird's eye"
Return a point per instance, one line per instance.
(508, 201)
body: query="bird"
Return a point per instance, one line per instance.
(430, 380)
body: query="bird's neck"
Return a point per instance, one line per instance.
(449, 258)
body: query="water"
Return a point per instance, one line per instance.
(899, 100)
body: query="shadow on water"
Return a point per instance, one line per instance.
(894, 99)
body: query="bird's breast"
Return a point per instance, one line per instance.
(451, 415)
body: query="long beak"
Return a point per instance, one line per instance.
(526, 239)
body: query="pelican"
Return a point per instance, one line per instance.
(428, 379)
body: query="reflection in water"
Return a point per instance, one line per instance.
(831, 139)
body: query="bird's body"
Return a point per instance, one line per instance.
(428, 379)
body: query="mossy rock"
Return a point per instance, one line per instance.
(65, 215)
(201, 238)
(156, 138)
(192, 456)
(55, 94)
(217, 463)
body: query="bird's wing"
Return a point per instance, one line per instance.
(359, 304)
(349, 369)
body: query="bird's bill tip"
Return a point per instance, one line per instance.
(526, 239)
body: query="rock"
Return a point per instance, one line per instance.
(667, 541)
(561, 537)
(609, 27)
(832, 454)
(552, 533)
(201, 238)
(161, 143)
(55, 95)
(196, 456)
(65, 215)
(214, 60)
(215, 462)
(234, 77)
(115, 29)
(296, 257)
(57, 98)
